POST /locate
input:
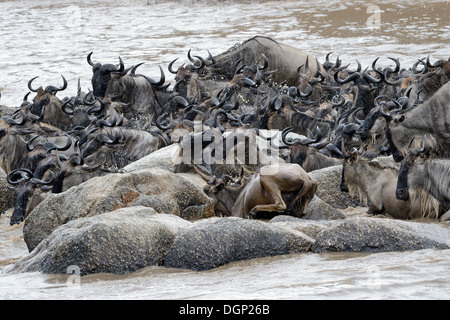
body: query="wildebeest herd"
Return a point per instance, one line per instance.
(327, 113)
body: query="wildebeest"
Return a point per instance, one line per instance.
(142, 94)
(431, 117)
(378, 184)
(48, 107)
(281, 57)
(307, 156)
(25, 183)
(116, 147)
(420, 173)
(267, 191)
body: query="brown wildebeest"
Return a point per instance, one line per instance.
(378, 185)
(266, 191)
(419, 172)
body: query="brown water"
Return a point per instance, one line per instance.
(47, 38)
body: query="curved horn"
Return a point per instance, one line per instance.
(31, 88)
(179, 100)
(338, 100)
(266, 63)
(53, 90)
(38, 181)
(386, 115)
(410, 142)
(89, 59)
(133, 69)
(369, 78)
(353, 77)
(160, 125)
(161, 80)
(308, 93)
(284, 133)
(211, 58)
(273, 105)
(308, 141)
(216, 121)
(22, 174)
(439, 63)
(397, 66)
(189, 56)
(65, 110)
(30, 147)
(170, 66)
(202, 63)
(425, 67)
(51, 146)
(395, 83)
(86, 102)
(13, 122)
(121, 65)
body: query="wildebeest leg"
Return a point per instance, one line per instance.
(275, 193)
(299, 198)
(445, 217)
(374, 210)
(306, 198)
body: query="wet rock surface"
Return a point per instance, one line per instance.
(6, 195)
(218, 241)
(381, 235)
(161, 190)
(121, 241)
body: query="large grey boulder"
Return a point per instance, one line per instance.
(121, 241)
(214, 242)
(166, 158)
(309, 227)
(161, 190)
(6, 195)
(328, 188)
(366, 234)
(318, 209)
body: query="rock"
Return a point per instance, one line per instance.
(328, 188)
(308, 227)
(217, 241)
(121, 241)
(159, 189)
(6, 195)
(381, 235)
(320, 210)
(165, 158)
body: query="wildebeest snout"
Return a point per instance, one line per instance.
(402, 194)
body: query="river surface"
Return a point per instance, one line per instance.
(50, 38)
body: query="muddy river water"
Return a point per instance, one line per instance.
(49, 38)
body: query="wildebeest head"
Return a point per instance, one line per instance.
(47, 107)
(39, 151)
(91, 150)
(224, 190)
(352, 166)
(24, 184)
(347, 169)
(414, 156)
(102, 74)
